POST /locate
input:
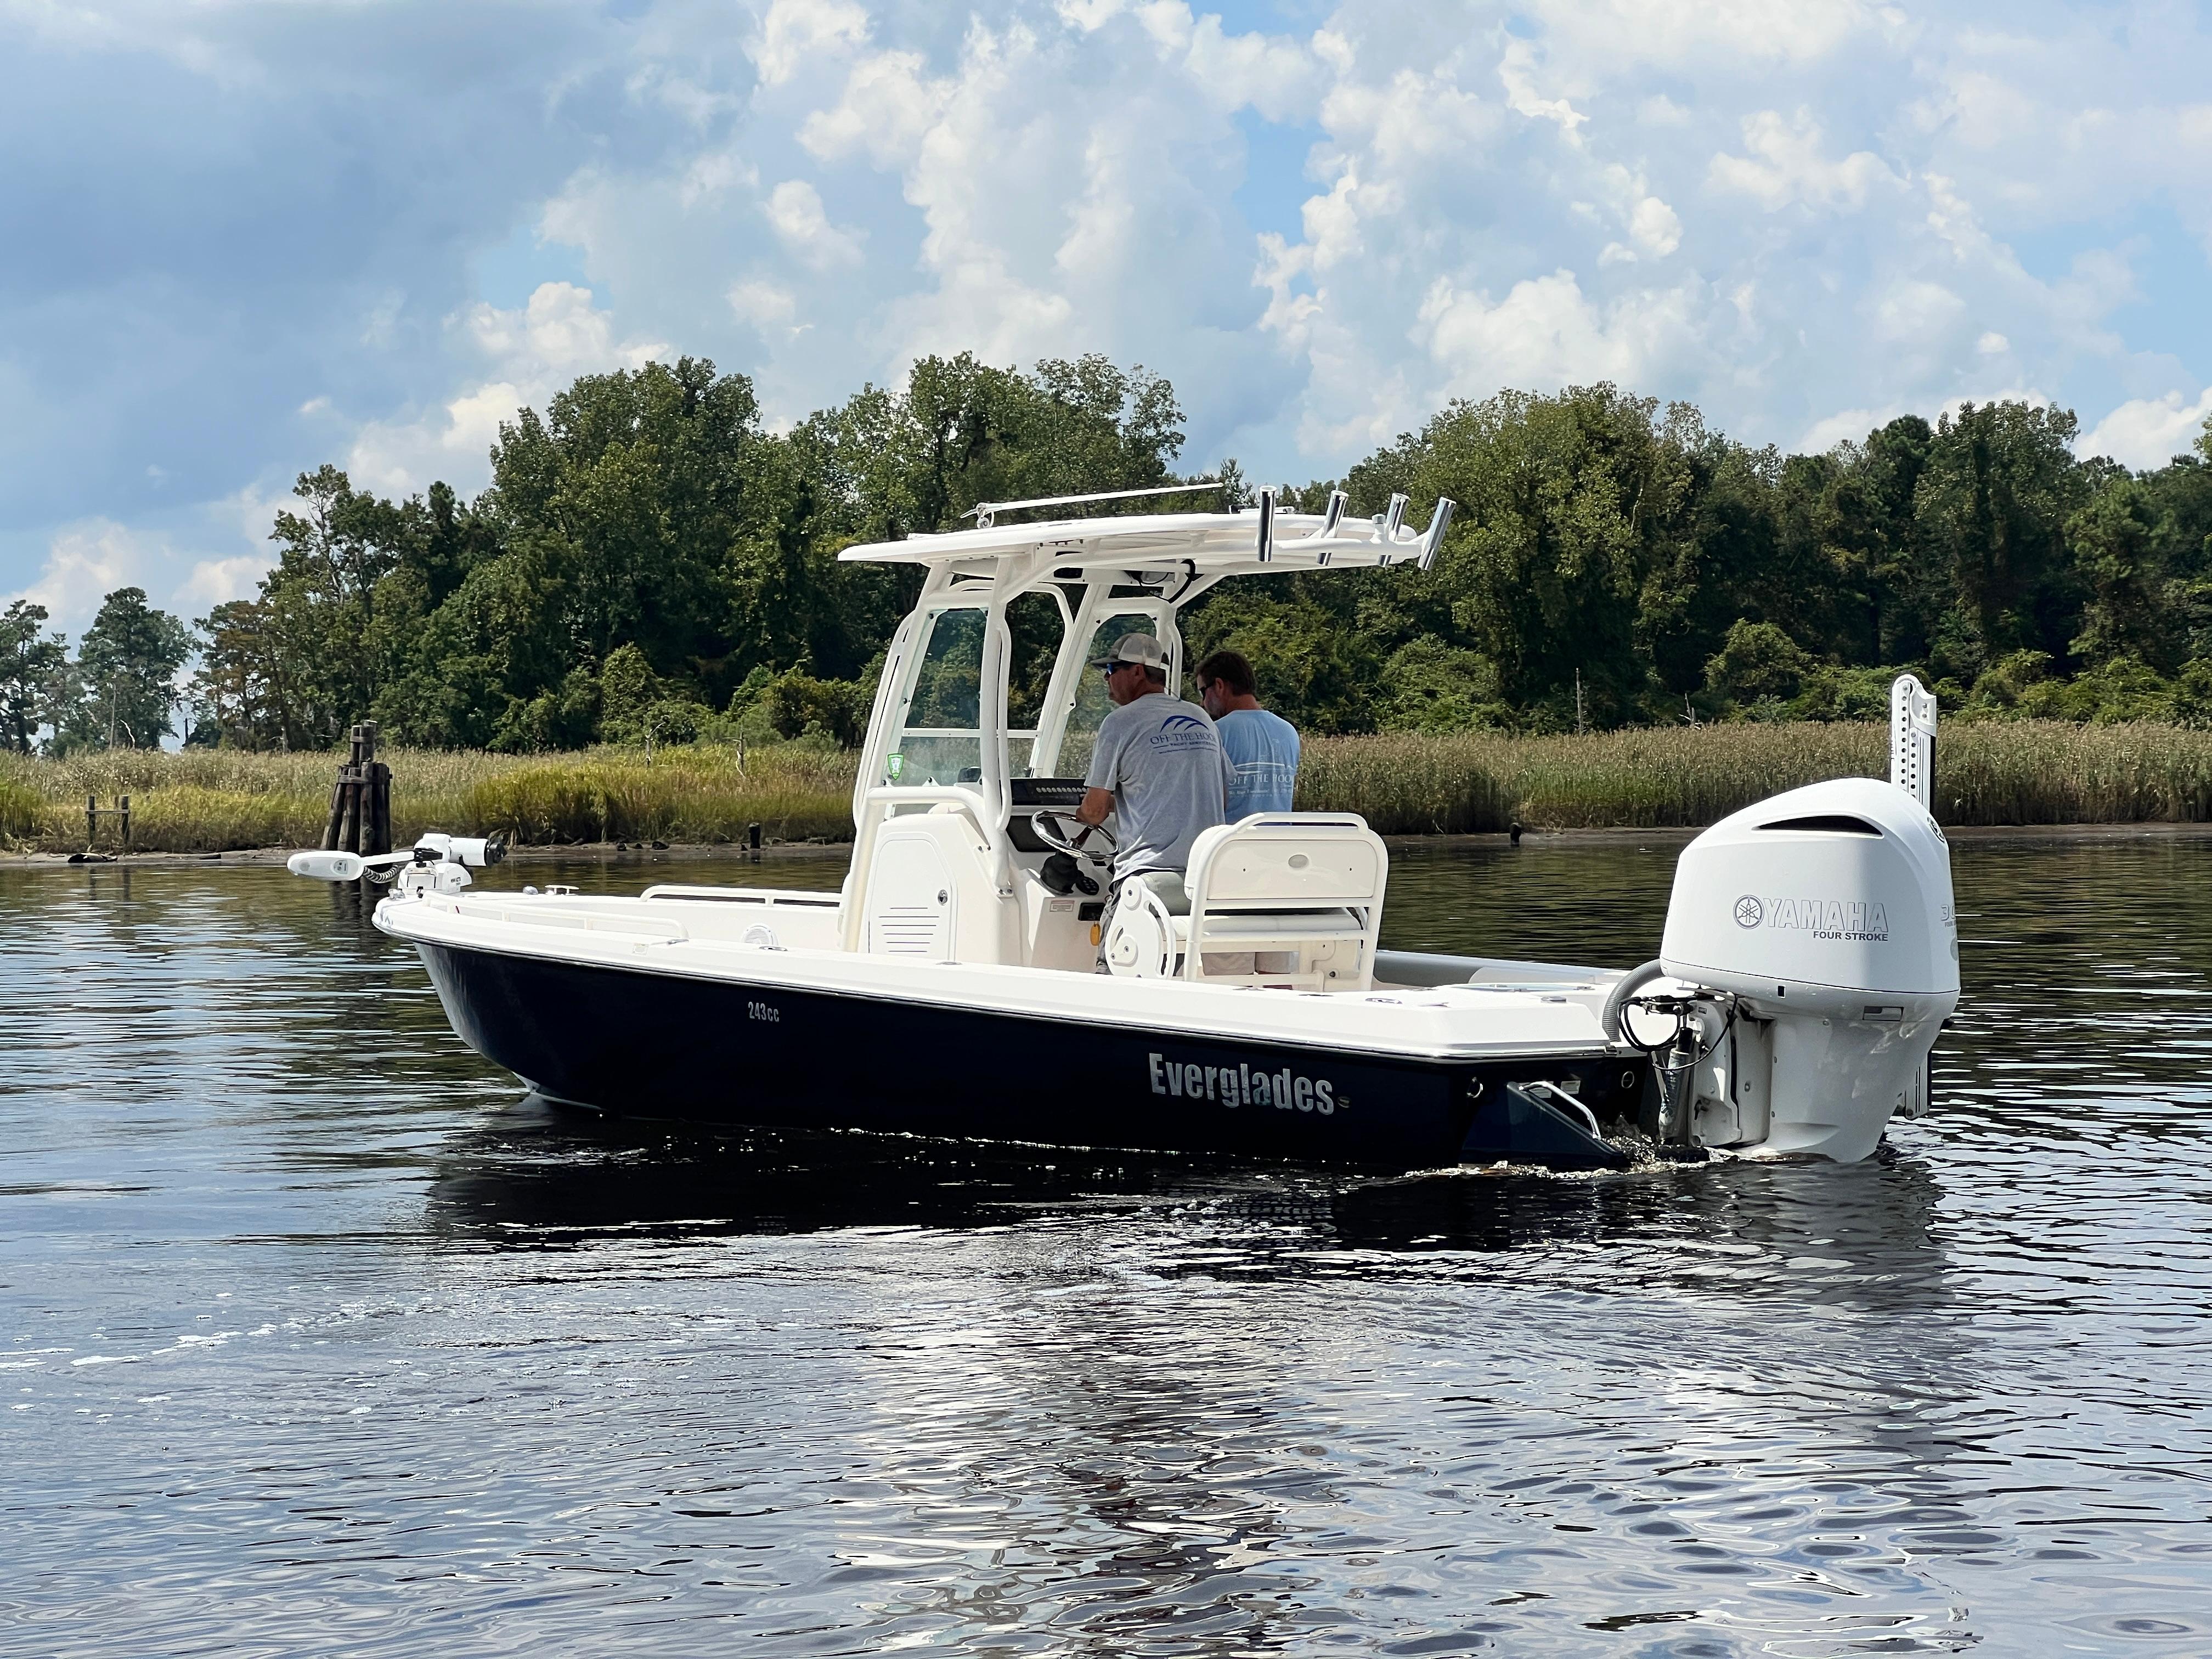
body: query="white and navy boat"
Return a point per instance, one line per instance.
(968, 980)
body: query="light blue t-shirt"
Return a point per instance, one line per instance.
(1263, 752)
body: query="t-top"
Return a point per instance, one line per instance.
(1163, 759)
(1263, 756)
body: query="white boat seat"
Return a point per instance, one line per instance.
(1292, 899)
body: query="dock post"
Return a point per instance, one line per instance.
(124, 802)
(91, 821)
(350, 814)
(360, 819)
(375, 788)
(337, 814)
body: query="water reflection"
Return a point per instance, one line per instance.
(545, 1175)
(316, 1334)
(542, 1175)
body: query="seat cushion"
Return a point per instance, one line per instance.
(1168, 884)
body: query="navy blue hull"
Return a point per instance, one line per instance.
(641, 1043)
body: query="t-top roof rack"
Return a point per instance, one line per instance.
(1211, 545)
(986, 513)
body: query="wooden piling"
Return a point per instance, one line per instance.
(338, 813)
(350, 811)
(360, 818)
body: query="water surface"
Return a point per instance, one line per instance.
(315, 1337)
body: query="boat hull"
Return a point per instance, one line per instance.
(637, 1042)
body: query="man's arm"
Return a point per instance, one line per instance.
(1105, 769)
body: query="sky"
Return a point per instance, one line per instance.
(241, 238)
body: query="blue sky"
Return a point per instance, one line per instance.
(239, 238)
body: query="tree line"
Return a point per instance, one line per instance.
(650, 562)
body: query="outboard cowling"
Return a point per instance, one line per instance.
(1827, 912)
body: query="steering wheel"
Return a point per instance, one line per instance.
(1066, 833)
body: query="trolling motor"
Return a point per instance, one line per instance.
(437, 863)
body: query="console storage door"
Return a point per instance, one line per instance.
(913, 899)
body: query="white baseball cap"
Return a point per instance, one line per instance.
(1140, 648)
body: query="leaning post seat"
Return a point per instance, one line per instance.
(1285, 899)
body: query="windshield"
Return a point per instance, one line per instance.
(939, 739)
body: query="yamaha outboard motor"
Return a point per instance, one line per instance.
(1814, 950)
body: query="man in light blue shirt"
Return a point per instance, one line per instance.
(1263, 748)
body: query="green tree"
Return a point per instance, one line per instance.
(647, 552)
(1889, 594)
(126, 666)
(2142, 554)
(1758, 664)
(1567, 557)
(2000, 484)
(238, 695)
(30, 663)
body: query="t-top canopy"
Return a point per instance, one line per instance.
(1208, 543)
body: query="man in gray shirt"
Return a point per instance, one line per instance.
(1158, 767)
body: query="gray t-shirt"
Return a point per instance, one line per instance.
(1163, 759)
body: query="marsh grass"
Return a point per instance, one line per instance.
(209, 801)
(2024, 772)
(1404, 784)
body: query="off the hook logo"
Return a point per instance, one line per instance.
(1833, 919)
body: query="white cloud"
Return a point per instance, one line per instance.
(1546, 333)
(888, 103)
(519, 356)
(217, 581)
(1847, 426)
(1804, 218)
(763, 304)
(1516, 70)
(795, 208)
(1656, 228)
(85, 562)
(1917, 312)
(796, 30)
(1706, 34)
(1786, 166)
(715, 174)
(2148, 432)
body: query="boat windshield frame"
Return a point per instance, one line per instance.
(1146, 565)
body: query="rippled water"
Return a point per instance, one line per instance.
(314, 1338)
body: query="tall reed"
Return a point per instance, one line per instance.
(1408, 785)
(2025, 772)
(2016, 772)
(204, 801)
